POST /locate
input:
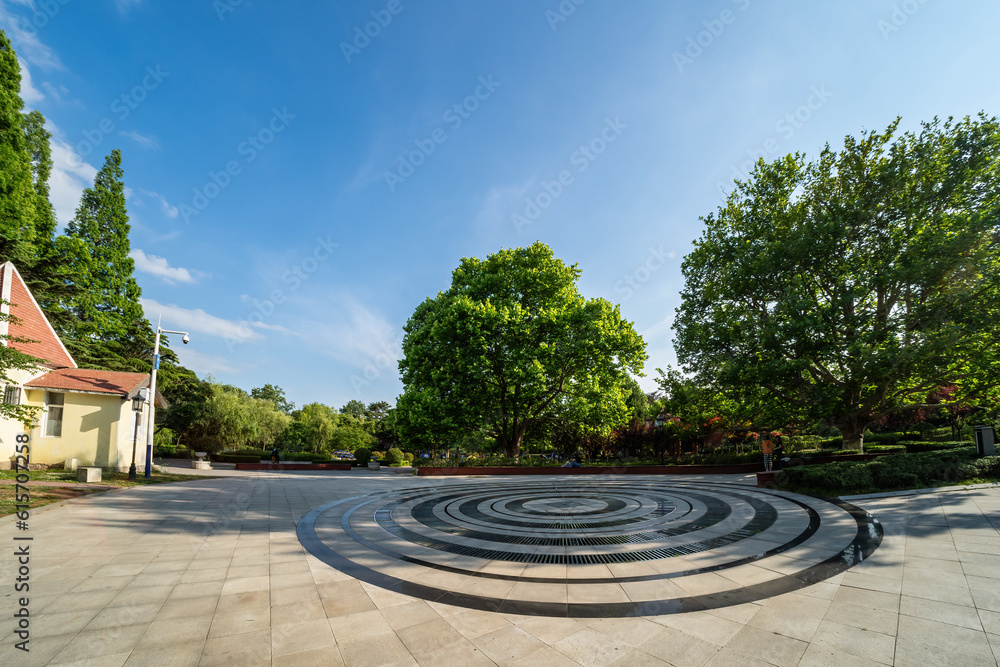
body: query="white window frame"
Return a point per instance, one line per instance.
(51, 409)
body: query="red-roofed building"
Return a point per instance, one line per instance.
(83, 414)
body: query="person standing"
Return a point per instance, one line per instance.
(768, 448)
(779, 453)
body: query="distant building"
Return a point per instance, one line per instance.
(85, 414)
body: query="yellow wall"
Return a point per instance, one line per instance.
(10, 429)
(89, 430)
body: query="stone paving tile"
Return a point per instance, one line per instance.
(181, 654)
(507, 644)
(430, 636)
(679, 648)
(375, 651)
(793, 615)
(938, 563)
(941, 612)
(923, 642)
(866, 644)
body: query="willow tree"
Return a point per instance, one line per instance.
(513, 343)
(851, 286)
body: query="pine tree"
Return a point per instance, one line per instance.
(17, 193)
(107, 307)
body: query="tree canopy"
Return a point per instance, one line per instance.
(512, 343)
(850, 286)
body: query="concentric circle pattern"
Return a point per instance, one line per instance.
(590, 547)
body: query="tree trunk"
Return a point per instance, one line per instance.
(853, 430)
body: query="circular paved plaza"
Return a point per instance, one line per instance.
(589, 547)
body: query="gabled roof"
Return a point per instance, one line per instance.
(88, 381)
(33, 325)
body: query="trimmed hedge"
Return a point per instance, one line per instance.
(362, 455)
(236, 458)
(891, 473)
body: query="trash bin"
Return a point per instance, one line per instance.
(986, 439)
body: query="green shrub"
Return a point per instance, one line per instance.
(235, 458)
(377, 455)
(889, 473)
(362, 455)
(913, 447)
(393, 457)
(305, 456)
(408, 456)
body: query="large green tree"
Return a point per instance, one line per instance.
(512, 343)
(276, 395)
(107, 305)
(17, 191)
(851, 286)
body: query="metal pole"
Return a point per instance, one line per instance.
(152, 402)
(135, 440)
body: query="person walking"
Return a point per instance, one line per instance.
(779, 453)
(275, 458)
(768, 448)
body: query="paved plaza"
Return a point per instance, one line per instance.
(374, 568)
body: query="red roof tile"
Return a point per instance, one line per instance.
(100, 382)
(32, 324)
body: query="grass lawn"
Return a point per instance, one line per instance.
(43, 495)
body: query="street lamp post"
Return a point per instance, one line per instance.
(137, 403)
(152, 394)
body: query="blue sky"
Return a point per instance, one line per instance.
(297, 186)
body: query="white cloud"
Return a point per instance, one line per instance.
(149, 143)
(125, 5)
(168, 209)
(24, 35)
(198, 321)
(357, 337)
(158, 266)
(494, 213)
(203, 364)
(29, 93)
(70, 175)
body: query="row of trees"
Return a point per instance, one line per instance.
(212, 416)
(83, 279)
(858, 289)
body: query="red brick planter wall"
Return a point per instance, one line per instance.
(742, 468)
(282, 466)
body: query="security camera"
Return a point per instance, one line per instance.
(186, 339)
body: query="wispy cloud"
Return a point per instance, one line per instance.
(149, 143)
(197, 321)
(204, 364)
(29, 93)
(70, 175)
(355, 336)
(126, 5)
(158, 266)
(25, 38)
(168, 209)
